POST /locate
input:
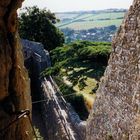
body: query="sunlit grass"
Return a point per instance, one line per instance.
(79, 66)
(90, 84)
(38, 135)
(87, 21)
(88, 94)
(92, 24)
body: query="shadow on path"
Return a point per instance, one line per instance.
(39, 122)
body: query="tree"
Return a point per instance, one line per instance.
(38, 25)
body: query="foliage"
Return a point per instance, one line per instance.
(51, 71)
(37, 25)
(82, 59)
(91, 56)
(82, 50)
(39, 137)
(79, 62)
(76, 100)
(78, 25)
(100, 34)
(82, 83)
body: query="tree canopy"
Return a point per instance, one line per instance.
(38, 25)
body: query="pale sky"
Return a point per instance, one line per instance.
(76, 5)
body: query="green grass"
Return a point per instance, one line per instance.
(39, 137)
(88, 21)
(105, 15)
(90, 24)
(63, 15)
(76, 100)
(83, 16)
(77, 69)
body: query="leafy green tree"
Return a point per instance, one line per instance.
(38, 25)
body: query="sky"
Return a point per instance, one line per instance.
(76, 5)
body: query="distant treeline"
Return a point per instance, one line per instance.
(94, 11)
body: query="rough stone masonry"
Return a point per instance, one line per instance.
(14, 81)
(116, 113)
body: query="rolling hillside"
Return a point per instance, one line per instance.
(92, 19)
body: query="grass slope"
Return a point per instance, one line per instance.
(89, 20)
(78, 68)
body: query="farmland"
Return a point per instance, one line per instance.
(88, 20)
(77, 25)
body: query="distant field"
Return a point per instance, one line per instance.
(89, 20)
(91, 24)
(63, 15)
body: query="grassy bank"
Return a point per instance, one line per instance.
(77, 68)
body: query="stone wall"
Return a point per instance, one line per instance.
(49, 109)
(36, 61)
(116, 113)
